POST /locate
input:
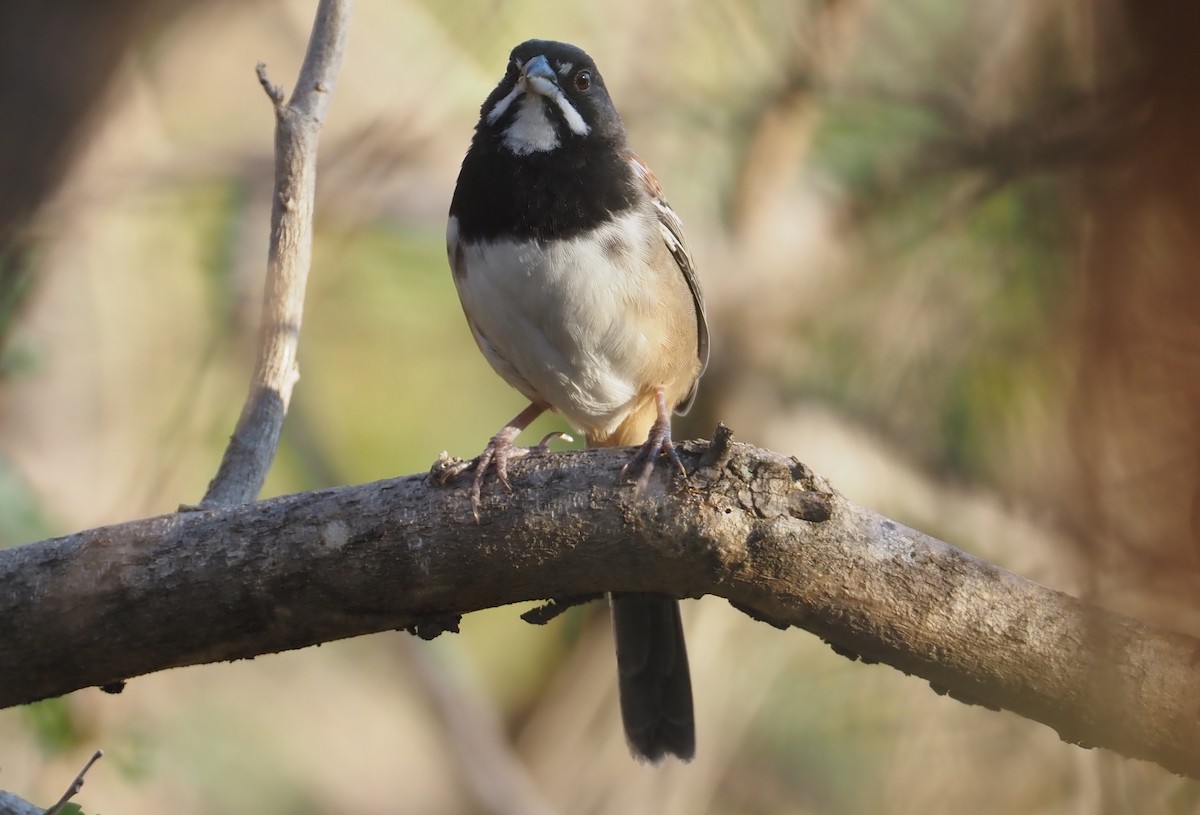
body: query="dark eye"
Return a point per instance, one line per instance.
(583, 80)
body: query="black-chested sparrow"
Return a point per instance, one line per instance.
(576, 283)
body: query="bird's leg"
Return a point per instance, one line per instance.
(658, 442)
(499, 452)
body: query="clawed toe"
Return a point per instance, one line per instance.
(658, 444)
(496, 457)
(543, 446)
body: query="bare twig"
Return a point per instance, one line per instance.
(252, 446)
(274, 92)
(298, 125)
(14, 805)
(76, 785)
(761, 531)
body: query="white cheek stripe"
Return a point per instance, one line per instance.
(574, 121)
(503, 105)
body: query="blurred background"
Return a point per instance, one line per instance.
(950, 256)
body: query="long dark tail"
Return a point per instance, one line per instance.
(653, 677)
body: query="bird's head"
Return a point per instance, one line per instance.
(551, 95)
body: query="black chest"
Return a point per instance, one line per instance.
(559, 194)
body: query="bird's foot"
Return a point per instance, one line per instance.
(496, 456)
(658, 443)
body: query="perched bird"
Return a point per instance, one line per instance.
(578, 288)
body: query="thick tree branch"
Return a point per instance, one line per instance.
(752, 526)
(15, 805)
(297, 131)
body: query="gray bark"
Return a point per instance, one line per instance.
(12, 805)
(751, 526)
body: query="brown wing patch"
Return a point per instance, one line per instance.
(673, 239)
(646, 176)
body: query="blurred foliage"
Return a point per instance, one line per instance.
(51, 723)
(21, 516)
(16, 283)
(994, 276)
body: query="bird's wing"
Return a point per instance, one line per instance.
(672, 232)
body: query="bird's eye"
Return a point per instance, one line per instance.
(583, 80)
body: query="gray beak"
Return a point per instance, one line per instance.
(538, 77)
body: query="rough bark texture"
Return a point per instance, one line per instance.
(12, 805)
(752, 526)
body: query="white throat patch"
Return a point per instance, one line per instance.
(531, 130)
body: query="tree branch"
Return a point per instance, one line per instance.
(297, 131)
(752, 526)
(14, 805)
(252, 446)
(75, 786)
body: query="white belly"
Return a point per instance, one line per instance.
(554, 318)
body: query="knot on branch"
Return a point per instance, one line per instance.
(806, 505)
(431, 626)
(556, 606)
(769, 488)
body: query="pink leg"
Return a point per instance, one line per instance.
(657, 443)
(501, 450)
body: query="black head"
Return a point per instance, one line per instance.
(549, 157)
(551, 95)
